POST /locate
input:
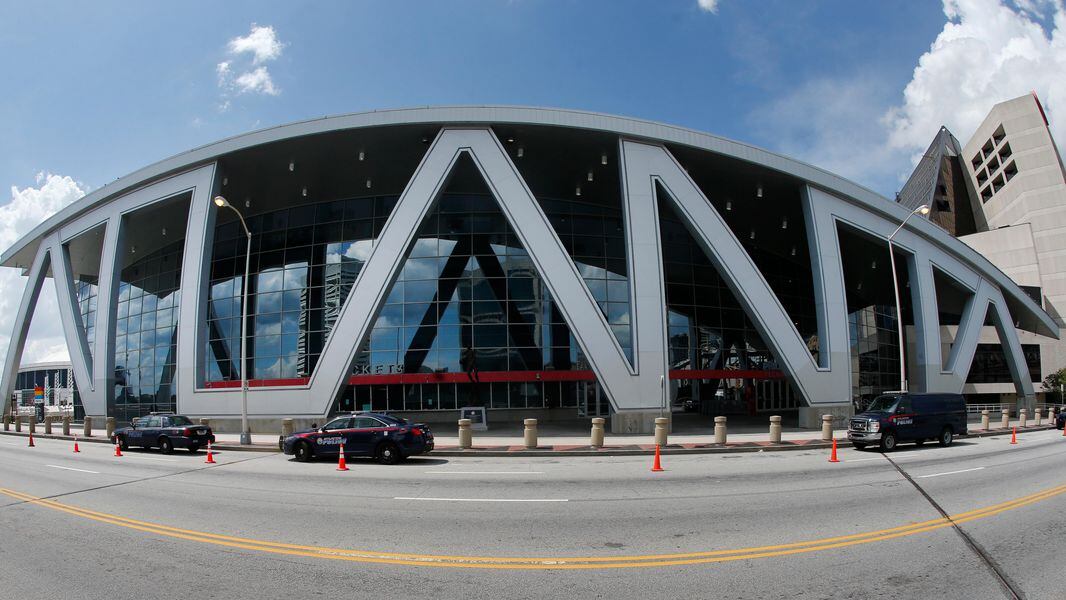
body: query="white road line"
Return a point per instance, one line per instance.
(484, 499)
(73, 469)
(950, 472)
(862, 459)
(486, 472)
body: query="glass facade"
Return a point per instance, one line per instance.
(732, 368)
(146, 333)
(86, 289)
(990, 364)
(304, 262)
(874, 343)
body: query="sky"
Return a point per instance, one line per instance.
(94, 91)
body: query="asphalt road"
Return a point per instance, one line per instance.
(762, 525)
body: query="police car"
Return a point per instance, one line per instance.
(387, 438)
(164, 431)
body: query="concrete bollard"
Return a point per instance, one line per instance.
(66, 425)
(1038, 416)
(1051, 416)
(529, 434)
(1023, 415)
(660, 430)
(7, 422)
(827, 427)
(719, 430)
(87, 427)
(205, 421)
(287, 427)
(33, 423)
(48, 425)
(466, 437)
(1005, 422)
(597, 432)
(984, 420)
(110, 427)
(775, 429)
(18, 423)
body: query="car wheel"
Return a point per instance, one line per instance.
(888, 442)
(946, 437)
(165, 445)
(859, 445)
(122, 443)
(194, 448)
(302, 452)
(389, 454)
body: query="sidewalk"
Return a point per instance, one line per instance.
(504, 442)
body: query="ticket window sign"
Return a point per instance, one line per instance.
(477, 415)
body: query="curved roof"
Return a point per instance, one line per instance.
(21, 253)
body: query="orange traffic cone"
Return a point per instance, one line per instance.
(118, 450)
(210, 457)
(31, 440)
(833, 455)
(341, 464)
(1014, 435)
(76, 444)
(657, 465)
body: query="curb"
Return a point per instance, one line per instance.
(629, 450)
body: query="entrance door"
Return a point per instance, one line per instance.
(591, 401)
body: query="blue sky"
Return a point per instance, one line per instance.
(96, 90)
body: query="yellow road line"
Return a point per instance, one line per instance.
(594, 562)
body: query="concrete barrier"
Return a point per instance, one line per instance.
(529, 434)
(87, 427)
(1005, 421)
(661, 423)
(466, 437)
(7, 422)
(33, 423)
(1038, 417)
(719, 430)
(287, 427)
(110, 427)
(18, 423)
(205, 422)
(66, 425)
(1023, 417)
(596, 440)
(48, 425)
(827, 427)
(775, 429)
(985, 421)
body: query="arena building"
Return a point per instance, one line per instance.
(536, 262)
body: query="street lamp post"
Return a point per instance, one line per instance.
(246, 434)
(923, 209)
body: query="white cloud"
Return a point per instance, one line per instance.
(243, 71)
(986, 53)
(710, 6)
(262, 43)
(27, 208)
(256, 81)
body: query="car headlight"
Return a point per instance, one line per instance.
(873, 426)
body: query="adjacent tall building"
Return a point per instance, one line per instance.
(1004, 194)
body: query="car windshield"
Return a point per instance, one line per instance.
(179, 421)
(882, 404)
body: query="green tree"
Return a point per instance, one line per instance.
(1053, 384)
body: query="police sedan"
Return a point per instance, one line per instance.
(387, 438)
(163, 431)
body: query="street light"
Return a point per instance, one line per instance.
(246, 434)
(924, 210)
